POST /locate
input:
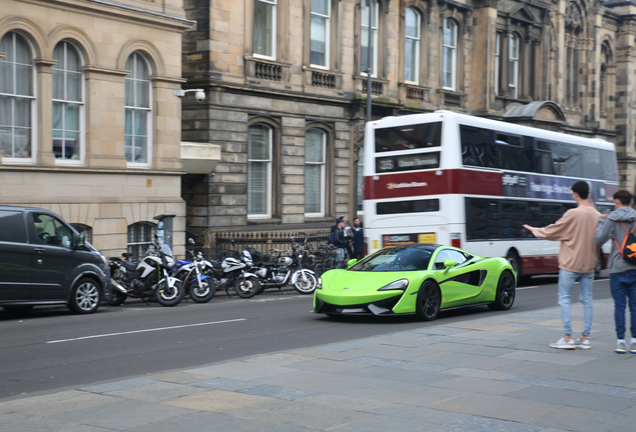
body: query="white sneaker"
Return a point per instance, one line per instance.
(584, 344)
(621, 348)
(563, 344)
(632, 346)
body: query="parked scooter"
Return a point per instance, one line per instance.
(149, 279)
(234, 272)
(284, 270)
(199, 286)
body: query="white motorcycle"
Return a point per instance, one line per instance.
(149, 279)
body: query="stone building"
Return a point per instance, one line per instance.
(89, 123)
(286, 86)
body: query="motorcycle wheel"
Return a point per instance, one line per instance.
(117, 299)
(306, 283)
(170, 296)
(203, 293)
(247, 287)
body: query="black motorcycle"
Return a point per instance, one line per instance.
(233, 271)
(149, 279)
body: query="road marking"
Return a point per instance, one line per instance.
(144, 331)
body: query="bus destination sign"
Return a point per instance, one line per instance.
(547, 187)
(408, 162)
(398, 239)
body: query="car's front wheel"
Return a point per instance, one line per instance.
(505, 292)
(429, 300)
(85, 297)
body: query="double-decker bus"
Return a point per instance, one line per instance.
(471, 182)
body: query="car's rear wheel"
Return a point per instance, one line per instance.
(85, 297)
(429, 300)
(505, 296)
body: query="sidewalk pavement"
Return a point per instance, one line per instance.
(494, 374)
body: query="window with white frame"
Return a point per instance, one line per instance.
(364, 38)
(264, 37)
(319, 33)
(315, 151)
(411, 45)
(259, 171)
(138, 110)
(513, 65)
(17, 97)
(140, 238)
(68, 106)
(449, 68)
(497, 63)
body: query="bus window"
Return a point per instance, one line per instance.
(543, 158)
(477, 146)
(415, 136)
(566, 160)
(592, 163)
(415, 206)
(482, 219)
(550, 213)
(608, 161)
(513, 215)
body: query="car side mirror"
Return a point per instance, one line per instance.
(448, 263)
(80, 240)
(351, 262)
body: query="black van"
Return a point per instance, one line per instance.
(45, 261)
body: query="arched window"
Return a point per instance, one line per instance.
(320, 32)
(259, 170)
(364, 38)
(17, 97)
(573, 31)
(513, 65)
(264, 36)
(449, 70)
(138, 110)
(140, 237)
(315, 156)
(68, 106)
(412, 35)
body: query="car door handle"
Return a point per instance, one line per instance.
(39, 250)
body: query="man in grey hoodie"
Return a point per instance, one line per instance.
(622, 273)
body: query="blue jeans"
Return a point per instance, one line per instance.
(566, 282)
(623, 286)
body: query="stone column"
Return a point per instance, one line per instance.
(44, 109)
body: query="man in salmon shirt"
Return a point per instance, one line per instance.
(578, 255)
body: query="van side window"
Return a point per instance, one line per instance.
(12, 227)
(51, 231)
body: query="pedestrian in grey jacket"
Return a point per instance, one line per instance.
(622, 273)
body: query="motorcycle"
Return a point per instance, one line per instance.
(199, 286)
(284, 270)
(149, 279)
(233, 272)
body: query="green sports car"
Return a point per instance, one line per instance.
(419, 279)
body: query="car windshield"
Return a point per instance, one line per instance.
(396, 259)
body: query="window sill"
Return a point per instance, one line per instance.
(265, 220)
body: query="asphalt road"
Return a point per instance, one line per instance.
(49, 348)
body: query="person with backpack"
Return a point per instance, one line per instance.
(578, 255)
(619, 226)
(340, 242)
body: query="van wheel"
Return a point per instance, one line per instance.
(85, 297)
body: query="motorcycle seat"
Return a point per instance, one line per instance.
(129, 266)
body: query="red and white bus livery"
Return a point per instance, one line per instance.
(471, 182)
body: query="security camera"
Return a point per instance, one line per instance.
(199, 96)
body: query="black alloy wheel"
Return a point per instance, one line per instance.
(505, 296)
(429, 300)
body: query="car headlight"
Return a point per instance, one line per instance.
(401, 284)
